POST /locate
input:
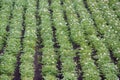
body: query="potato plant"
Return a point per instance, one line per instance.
(59, 40)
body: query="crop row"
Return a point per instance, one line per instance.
(102, 52)
(65, 51)
(114, 4)
(77, 35)
(59, 39)
(90, 33)
(4, 22)
(29, 43)
(110, 17)
(49, 70)
(110, 38)
(8, 58)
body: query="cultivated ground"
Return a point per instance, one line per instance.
(59, 39)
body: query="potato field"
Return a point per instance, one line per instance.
(59, 39)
